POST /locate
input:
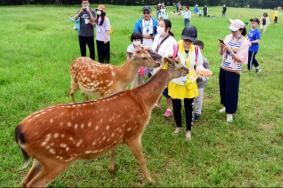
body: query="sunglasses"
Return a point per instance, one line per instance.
(146, 12)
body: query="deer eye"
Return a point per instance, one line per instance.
(144, 58)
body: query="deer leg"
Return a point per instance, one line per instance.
(136, 148)
(47, 173)
(73, 88)
(32, 172)
(111, 166)
(86, 98)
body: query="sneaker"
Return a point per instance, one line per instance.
(229, 118)
(196, 117)
(177, 130)
(258, 70)
(222, 110)
(188, 135)
(168, 113)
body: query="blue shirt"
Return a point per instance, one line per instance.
(138, 26)
(253, 35)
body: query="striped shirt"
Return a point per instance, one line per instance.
(240, 47)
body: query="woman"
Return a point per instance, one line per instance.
(102, 35)
(234, 50)
(185, 88)
(163, 44)
(264, 22)
(86, 18)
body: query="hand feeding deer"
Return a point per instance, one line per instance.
(57, 136)
(98, 79)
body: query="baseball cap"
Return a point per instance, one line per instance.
(254, 20)
(236, 24)
(147, 8)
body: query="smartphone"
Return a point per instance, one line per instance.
(221, 41)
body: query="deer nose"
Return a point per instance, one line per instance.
(158, 64)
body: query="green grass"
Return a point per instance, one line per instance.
(37, 45)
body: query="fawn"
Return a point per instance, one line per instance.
(96, 79)
(59, 135)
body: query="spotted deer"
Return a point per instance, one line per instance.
(96, 79)
(57, 136)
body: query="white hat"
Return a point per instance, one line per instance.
(236, 25)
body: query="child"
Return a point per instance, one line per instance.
(201, 83)
(254, 38)
(136, 39)
(187, 16)
(264, 22)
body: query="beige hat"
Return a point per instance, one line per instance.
(101, 7)
(236, 25)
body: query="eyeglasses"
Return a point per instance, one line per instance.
(146, 12)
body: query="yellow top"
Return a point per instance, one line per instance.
(190, 89)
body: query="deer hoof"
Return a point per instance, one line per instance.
(112, 168)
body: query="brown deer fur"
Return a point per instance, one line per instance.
(94, 78)
(57, 136)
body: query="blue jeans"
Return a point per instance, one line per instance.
(186, 22)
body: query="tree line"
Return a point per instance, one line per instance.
(232, 3)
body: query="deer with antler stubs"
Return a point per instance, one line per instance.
(96, 79)
(57, 136)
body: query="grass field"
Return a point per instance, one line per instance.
(37, 45)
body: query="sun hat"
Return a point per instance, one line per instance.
(102, 8)
(236, 25)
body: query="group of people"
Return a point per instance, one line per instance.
(87, 19)
(236, 50)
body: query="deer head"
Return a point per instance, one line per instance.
(143, 57)
(174, 67)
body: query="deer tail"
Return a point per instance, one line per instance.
(20, 139)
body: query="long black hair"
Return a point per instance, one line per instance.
(243, 31)
(168, 24)
(103, 14)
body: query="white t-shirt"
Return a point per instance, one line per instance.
(102, 29)
(166, 49)
(147, 28)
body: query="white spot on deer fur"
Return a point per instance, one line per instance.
(43, 143)
(51, 120)
(62, 135)
(96, 128)
(69, 124)
(93, 143)
(71, 139)
(79, 143)
(107, 127)
(113, 134)
(52, 151)
(76, 126)
(89, 124)
(67, 148)
(104, 137)
(82, 125)
(88, 152)
(61, 124)
(129, 129)
(113, 73)
(108, 139)
(63, 145)
(55, 135)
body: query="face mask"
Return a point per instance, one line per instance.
(136, 42)
(98, 12)
(160, 30)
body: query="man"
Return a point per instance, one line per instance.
(86, 35)
(224, 9)
(147, 26)
(205, 10)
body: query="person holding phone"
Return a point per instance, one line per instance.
(234, 51)
(147, 26)
(87, 18)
